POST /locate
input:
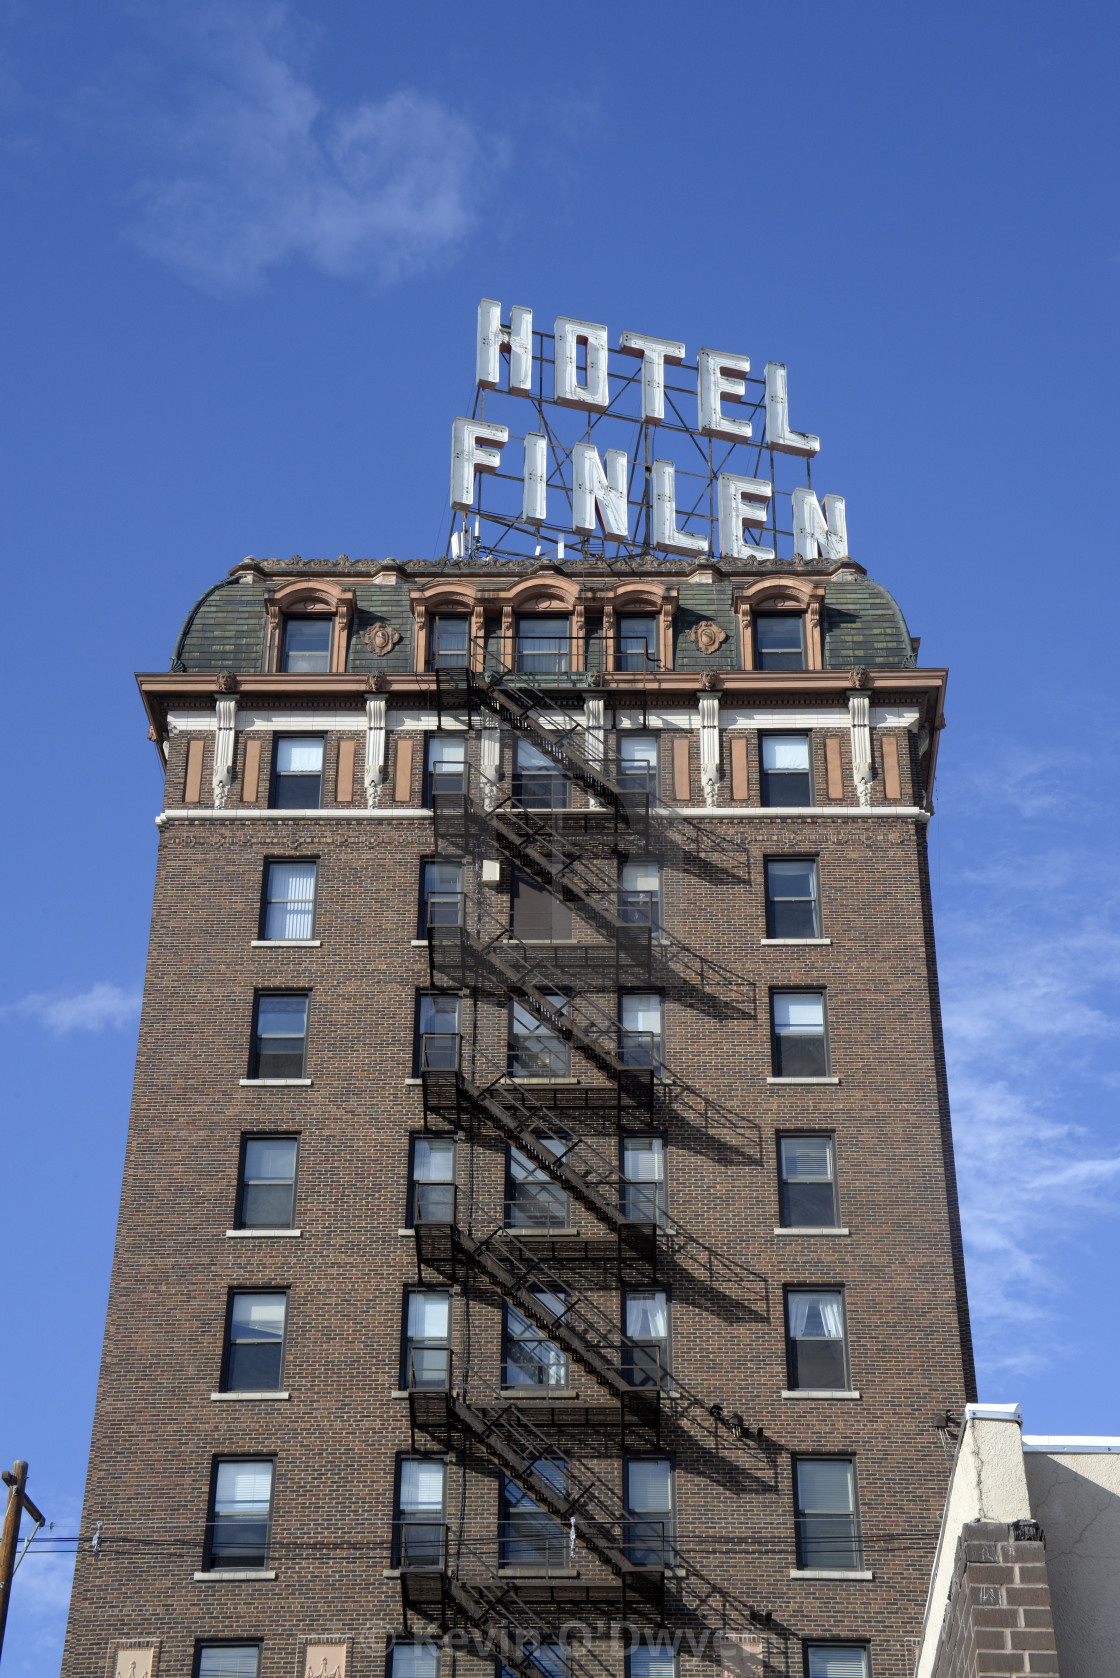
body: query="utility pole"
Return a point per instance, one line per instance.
(18, 1501)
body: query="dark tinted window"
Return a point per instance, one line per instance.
(800, 1045)
(792, 909)
(255, 1342)
(808, 1181)
(307, 645)
(779, 641)
(818, 1357)
(297, 773)
(786, 778)
(637, 644)
(280, 1036)
(268, 1182)
(827, 1522)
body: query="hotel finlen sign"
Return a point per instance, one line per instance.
(591, 422)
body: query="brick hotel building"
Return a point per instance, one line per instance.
(539, 1245)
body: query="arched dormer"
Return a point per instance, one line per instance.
(549, 594)
(448, 597)
(774, 595)
(313, 600)
(639, 598)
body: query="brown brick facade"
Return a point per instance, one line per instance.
(998, 1620)
(336, 1438)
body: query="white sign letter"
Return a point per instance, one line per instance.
(742, 501)
(467, 457)
(711, 385)
(517, 337)
(778, 434)
(817, 533)
(655, 352)
(666, 536)
(534, 500)
(567, 389)
(594, 490)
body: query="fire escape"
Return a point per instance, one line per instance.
(601, 1554)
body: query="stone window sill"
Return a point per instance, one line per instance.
(534, 1395)
(263, 1234)
(220, 1575)
(807, 1229)
(286, 943)
(275, 1083)
(821, 1392)
(538, 1573)
(227, 1398)
(416, 1081)
(787, 1080)
(828, 1573)
(419, 943)
(814, 941)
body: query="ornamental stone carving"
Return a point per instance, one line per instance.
(380, 638)
(227, 681)
(708, 637)
(859, 677)
(325, 1660)
(135, 1663)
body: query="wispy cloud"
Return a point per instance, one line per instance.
(257, 170)
(101, 1007)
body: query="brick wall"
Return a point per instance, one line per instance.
(998, 1621)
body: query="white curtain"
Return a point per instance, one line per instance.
(647, 1316)
(785, 752)
(299, 757)
(447, 754)
(291, 899)
(433, 1160)
(643, 1159)
(640, 876)
(798, 1011)
(837, 1663)
(649, 1486)
(815, 1316)
(258, 1316)
(641, 1013)
(243, 1487)
(429, 1316)
(415, 1660)
(637, 751)
(422, 1486)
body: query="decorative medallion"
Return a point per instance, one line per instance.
(707, 636)
(380, 638)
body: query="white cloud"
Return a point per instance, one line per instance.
(89, 1010)
(259, 171)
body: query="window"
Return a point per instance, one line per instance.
(536, 913)
(543, 645)
(779, 641)
(536, 1049)
(307, 645)
(639, 1036)
(255, 1342)
(550, 1660)
(533, 1199)
(432, 1180)
(643, 1179)
(437, 1032)
(637, 644)
(644, 1660)
(785, 769)
(289, 899)
(807, 1179)
(827, 1521)
(280, 1035)
(228, 1660)
(418, 1538)
(530, 1536)
(649, 1511)
(240, 1514)
(298, 773)
(447, 766)
(800, 1043)
(815, 1340)
(441, 895)
(637, 763)
(639, 895)
(427, 1340)
(835, 1660)
(414, 1660)
(646, 1319)
(267, 1198)
(792, 898)
(531, 1360)
(538, 782)
(449, 643)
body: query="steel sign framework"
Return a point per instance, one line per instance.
(593, 427)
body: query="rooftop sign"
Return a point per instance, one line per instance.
(592, 423)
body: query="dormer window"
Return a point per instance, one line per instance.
(307, 646)
(637, 644)
(779, 641)
(450, 643)
(544, 645)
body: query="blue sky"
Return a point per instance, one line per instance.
(243, 248)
